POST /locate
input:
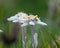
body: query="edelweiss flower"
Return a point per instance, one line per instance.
(25, 19)
(17, 17)
(32, 20)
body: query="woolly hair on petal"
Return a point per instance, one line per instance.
(12, 18)
(21, 22)
(21, 14)
(31, 23)
(15, 21)
(24, 24)
(9, 19)
(41, 23)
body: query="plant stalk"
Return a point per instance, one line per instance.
(32, 32)
(23, 37)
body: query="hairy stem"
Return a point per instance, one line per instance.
(32, 32)
(23, 37)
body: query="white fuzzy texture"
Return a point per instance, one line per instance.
(1, 30)
(31, 23)
(12, 18)
(22, 20)
(41, 23)
(24, 24)
(25, 19)
(16, 17)
(15, 21)
(21, 14)
(35, 39)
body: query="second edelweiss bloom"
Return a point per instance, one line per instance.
(32, 20)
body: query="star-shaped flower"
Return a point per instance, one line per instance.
(17, 17)
(32, 20)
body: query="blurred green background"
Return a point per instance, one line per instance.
(48, 11)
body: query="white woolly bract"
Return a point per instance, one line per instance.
(15, 21)
(41, 23)
(24, 24)
(21, 14)
(17, 16)
(12, 18)
(31, 23)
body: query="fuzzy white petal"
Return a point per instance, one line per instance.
(41, 23)
(31, 23)
(15, 21)
(9, 19)
(22, 14)
(21, 21)
(24, 24)
(12, 18)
